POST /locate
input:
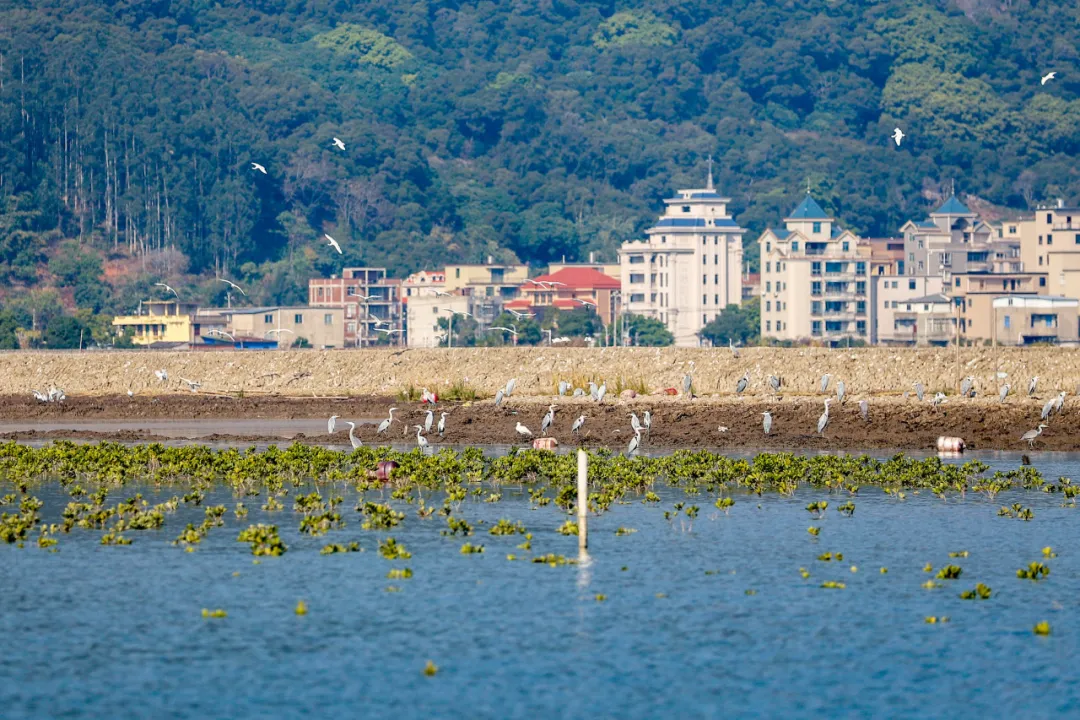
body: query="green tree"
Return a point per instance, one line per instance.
(64, 333)
(648, 332)
(736, 324)
(579, 322)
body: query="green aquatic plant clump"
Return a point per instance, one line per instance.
(264, 540)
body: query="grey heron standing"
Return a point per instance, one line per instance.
(766, 421)
(428, 421)
(548, 419)
(601, 392)
(688, 380)
(510, 385)
(1048, 408)
(1032, 384)
(966, 386)
(1030, 435)
(841, 390)
(742, 383)
(1003, 392)
(563, 387)
(825, 381)
(647, 422)
(774, 383)
(1059, 402)
(864, 410)
(920, 391)
(498, 397)
(823, 421)
(635, 443)
(734, 350)
(577, 424)
(635, 422)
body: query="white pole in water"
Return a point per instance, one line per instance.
(583, 500)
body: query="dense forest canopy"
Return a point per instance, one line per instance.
(523, 129)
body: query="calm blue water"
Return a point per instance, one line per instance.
(116, 632)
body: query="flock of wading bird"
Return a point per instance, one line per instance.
(642, 426)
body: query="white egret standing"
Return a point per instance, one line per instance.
(385, 424)
(442, 424)
(766, 421)
(162, 375)
(647, 422)
(331, 424)
(635, 423)
(428, 421)
(355, 441)
(563, 385)
(635, 443)
(523, 431)
(939, 398)
(421, 441)
(1059, 402)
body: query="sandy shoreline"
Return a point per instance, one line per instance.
(894, 422)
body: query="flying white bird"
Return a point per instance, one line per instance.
(897, 136)
(338, 144)
(333, 243)
(167, 288)
(585, 303)
(233, 285)
(441, 293)
(504, 329)
(1048, 77)
(257, 166)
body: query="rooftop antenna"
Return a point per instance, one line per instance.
(709, 182)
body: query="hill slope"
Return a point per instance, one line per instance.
(517, 129)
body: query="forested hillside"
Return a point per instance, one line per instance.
(527, 129)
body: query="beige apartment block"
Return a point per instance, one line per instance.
(927, 320)
(689, 268)
(952, 239)
(975, 293)
(891, 294)
(322, 327)
(424, 312)
(815, 279)
(370, 299)
(1028, 319)
(1050, 243)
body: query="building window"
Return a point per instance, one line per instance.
(1040, 259)
(704, 279)
(815, 307)
(268, 318)
(318, 293)
(457, 273)
(768, 246)
(794, 246)
(715, 259)
(637, 297)
(768, 306)
(817, 227)
(686, 208)
(860, 327)
(910, 284)
(860, 307)
(768, 326)
(1049, 239)
(844, 245)
(637, 259)
(350, 290)
(704, 319)
(860, 288)
(768, 266)
(860, 268)
(298, 319)
(716, 299)
(704, 240)
(704, 299)
(1049, 218)
(328, 318)
(957, 282)
(637, 277)
(1008, 322)
(768, 286)
(815, 268)
(815, 327)
(1078, 238)
(1042, 280)
(704, 259)
(716, 279)
(815, 287)
(911, 257)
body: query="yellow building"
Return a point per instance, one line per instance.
(488, 280)
(158, 321)
(1050, 243)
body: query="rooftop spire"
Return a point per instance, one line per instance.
(708, 182)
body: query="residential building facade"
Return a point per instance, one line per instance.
(424, 313)
(927, 320)
(1027, 319)
(974, 295)
(952, 239)
(571, 288)
(321, 327)
(1050, 244)
(689, 267)
(160, 321)
(815, 279)
(889, 295)
(370, 299)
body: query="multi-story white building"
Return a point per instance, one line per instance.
(815, 279)
(690, 266)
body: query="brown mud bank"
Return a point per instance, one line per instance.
(709, 423)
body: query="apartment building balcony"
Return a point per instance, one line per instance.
(1065, 226)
